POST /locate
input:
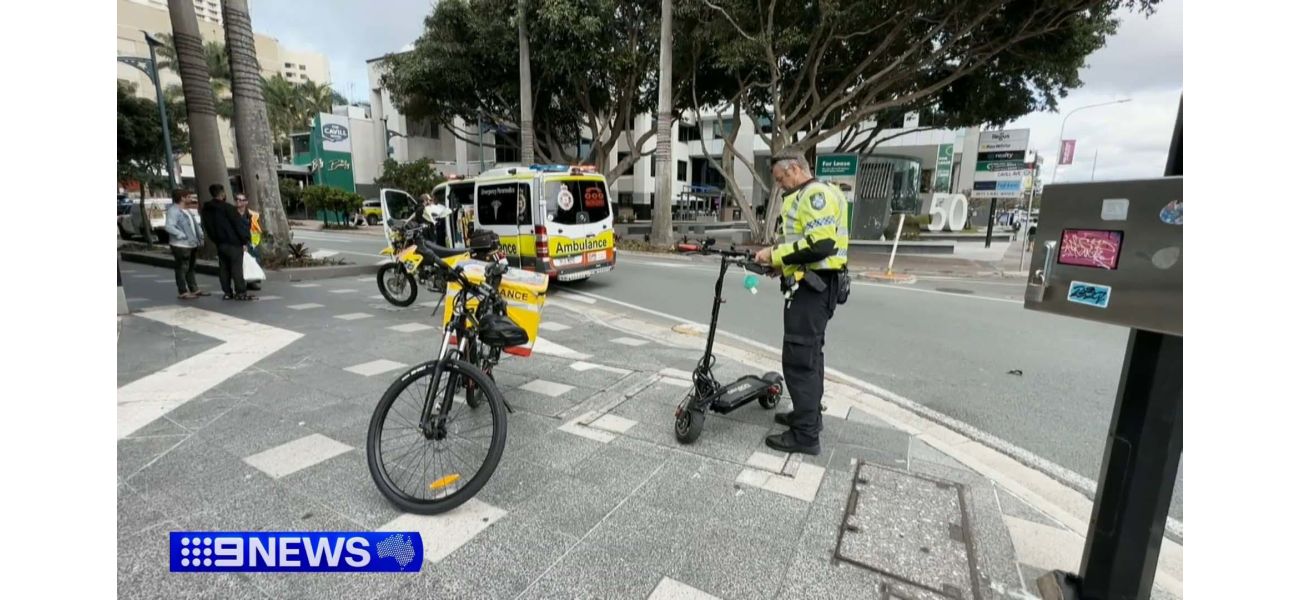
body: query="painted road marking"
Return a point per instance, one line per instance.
(353, 316)
(586, 366)
(345, 291)
(445, 533)
(306, 285)
(545, 346)
(553, 326)
(410, 327)
(546, 388)
(297, 455)
(304, 306)
(633, 342)
(374, 367)
(246, 342)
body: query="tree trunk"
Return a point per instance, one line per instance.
(253, 130)
(525, 89)
(200, 106)
(661, 227)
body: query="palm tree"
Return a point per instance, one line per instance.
(282, 109)
(214, 54)
(189, 58)
(253, 130)
(291, 106)
(319, 97)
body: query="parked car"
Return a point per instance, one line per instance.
(128, 224)
(123, 204)
(372, 211)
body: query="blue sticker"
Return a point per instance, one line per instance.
(1091, 294)
(818, 202)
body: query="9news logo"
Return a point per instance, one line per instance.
(303, 551)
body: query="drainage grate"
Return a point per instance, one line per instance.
(912, 529)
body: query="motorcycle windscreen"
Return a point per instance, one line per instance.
(395, 204)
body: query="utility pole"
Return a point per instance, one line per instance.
(525, 92)
(661, 227)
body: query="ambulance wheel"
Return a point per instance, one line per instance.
(690, 423)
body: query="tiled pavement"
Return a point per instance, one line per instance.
(593, 498)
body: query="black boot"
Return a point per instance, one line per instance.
(785, 442)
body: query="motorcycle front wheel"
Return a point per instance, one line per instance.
(397, 286)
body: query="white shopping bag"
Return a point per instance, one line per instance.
(252, 272)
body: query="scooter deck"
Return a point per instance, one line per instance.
(738, 393)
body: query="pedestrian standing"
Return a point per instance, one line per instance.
(253, 221)
(813, 262)
(185, 238)
(226, 229)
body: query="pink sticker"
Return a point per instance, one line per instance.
(1090, 248)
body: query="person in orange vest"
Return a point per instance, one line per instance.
(253, 221)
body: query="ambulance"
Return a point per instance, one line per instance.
(552, 219)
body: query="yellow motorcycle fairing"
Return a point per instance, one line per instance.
(411, 259)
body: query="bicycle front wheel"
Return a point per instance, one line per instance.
(433, 472)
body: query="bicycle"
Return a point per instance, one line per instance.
(437, 415)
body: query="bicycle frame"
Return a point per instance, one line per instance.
(462, 326)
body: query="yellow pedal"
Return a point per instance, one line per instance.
(444, 481)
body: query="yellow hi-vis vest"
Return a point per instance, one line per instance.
(814, 212)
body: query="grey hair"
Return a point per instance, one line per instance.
(785, 157)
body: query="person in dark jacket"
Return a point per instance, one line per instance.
(226, 229)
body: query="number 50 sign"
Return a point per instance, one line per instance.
(948, 212)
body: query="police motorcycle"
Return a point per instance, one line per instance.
(400, 279)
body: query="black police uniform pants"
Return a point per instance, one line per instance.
(230, 269)
(802, 362)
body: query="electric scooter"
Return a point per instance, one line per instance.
(707, 394)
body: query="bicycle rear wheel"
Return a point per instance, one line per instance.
(425, 474)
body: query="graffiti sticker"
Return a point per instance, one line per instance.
(1098, 249)
(1091, 294)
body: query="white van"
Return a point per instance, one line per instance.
(552, 219)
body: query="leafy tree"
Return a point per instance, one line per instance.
(415, 177)
(141, 154)
(331, 201)
(594, 68)
(290, 194)
(812, 72)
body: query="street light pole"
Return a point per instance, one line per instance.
(1060, 138)
(1094, 166)
(150, 69)
(162, 110)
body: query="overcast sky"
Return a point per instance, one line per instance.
(1142, 62)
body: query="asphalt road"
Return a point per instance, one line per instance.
(948, 343)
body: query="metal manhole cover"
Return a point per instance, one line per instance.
(954, 290)
(912, 529)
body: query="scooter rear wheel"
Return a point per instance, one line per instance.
(690, 423)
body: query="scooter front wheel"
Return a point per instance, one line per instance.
(690, 423)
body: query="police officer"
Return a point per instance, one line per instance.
(812, 257)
